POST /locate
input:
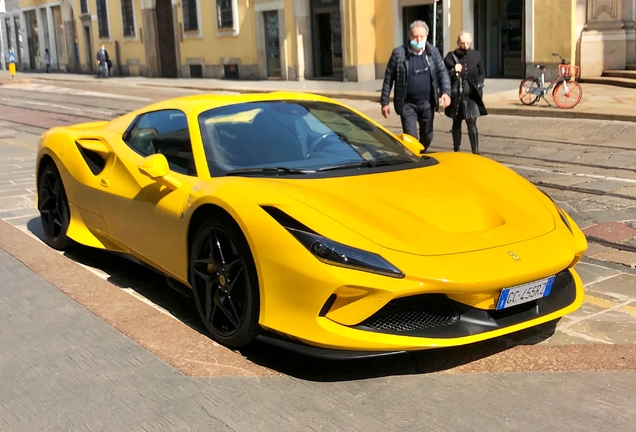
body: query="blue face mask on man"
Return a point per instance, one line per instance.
(418, 45)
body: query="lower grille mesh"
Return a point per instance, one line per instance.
(412, 313)
(561, 281)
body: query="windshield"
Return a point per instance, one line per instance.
(294, 137)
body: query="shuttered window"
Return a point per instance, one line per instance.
(224, 14)
(128, 17)
(102, 19)
(190, 19)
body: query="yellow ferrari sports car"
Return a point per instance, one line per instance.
(299, 221)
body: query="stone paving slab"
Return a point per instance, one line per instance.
(138, 320)
(604, 186)
(591, 273)
(622, 287)
(611, 231)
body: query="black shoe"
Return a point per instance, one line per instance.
(473, 135)
(457, 139)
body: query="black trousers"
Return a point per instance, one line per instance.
(421, 114)
(471, 123)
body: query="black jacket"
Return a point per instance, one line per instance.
(473, 74)
(102, 57)
(397, 70)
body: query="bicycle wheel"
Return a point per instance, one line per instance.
(528, 91)
(567, 94)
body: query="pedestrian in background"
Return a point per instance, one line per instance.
(422, 84)
(102, 61)
(467, 82)
(47, 59)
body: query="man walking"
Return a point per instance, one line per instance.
(421, 83)
(102, 61)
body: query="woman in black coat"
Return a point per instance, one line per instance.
(467, 81)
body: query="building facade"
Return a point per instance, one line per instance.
(347, 40)
(11, 31)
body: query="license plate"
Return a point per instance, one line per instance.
(525, 293)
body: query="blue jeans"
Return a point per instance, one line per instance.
(421, 114)
(103, 70)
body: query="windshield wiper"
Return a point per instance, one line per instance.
(268, 170)
(367, 164)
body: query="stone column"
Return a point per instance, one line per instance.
(629, 23)
(604, 38)
(358, 40)
(302, 66)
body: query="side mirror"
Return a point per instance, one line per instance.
(156, 167)
(412, 144)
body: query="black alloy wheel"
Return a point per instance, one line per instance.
(224, 281)
(53, 208)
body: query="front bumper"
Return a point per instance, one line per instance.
(296, 289)
(337, 341)
(437, 316)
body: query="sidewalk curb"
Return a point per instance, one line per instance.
(559, 113)
(510, 109)
(375, 97)
(370, 96)
(4, 81)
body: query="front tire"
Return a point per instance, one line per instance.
(567, 98)
(526, 89)
(53, 207)
(224, 282)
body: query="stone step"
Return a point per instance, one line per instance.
(618, 82)
(628, 73)
(631, 66)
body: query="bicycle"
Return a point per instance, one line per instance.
(567, 92)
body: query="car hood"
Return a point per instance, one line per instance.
(434, 210)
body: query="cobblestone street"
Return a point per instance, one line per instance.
(66, 366)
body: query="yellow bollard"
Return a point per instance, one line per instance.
(12, 69)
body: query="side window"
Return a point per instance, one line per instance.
(164, 132)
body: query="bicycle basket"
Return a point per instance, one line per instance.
(569, 71)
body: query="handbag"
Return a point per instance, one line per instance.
(457, 88)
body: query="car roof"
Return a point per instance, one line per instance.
(196, 104)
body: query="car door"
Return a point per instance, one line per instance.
(143, 214)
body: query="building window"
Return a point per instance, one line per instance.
(224, 14)
(127, 17)
(84, 6)
(102, 19)
(190, 19)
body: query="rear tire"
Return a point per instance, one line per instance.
(224, 282)
(568, 99)
(526, 88)
(54, 208)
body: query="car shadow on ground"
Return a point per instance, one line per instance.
(419, 362)
(140, 280)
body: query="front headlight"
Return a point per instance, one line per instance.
(334, 253)
(559, 210)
